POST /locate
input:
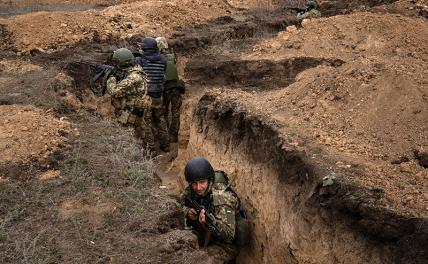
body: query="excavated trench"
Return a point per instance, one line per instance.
(260, 74)
(294, 218)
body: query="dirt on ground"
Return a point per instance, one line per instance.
(371, 111)
(29, 135)
(347, 91)
(26, 33)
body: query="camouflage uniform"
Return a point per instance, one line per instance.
(174, 88)
(311, 12)
(131, 103)
(172, 96)
(158, 121)
(223, 204)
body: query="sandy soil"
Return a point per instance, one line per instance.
(28, 32)
(369, 112)
(29, 134)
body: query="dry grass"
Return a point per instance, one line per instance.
(97, 211)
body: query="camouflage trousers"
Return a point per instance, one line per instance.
(172, 98)
(143, 130)
(159, 123)
(142, 125)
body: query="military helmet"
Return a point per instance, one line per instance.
(197, 169)
(312, 4)
(149, 44)
(162, 42)
(123, 58)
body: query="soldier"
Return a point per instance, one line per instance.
(311, 12)
(154, 66)
(215, 221)
(129, 95)
(174, 88)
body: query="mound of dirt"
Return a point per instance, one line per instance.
(369, 113)
(66, 29)
(27, 135)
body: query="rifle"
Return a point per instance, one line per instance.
(102, 70)
(296, 9)
(209, 218)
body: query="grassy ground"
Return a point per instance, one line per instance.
(105, 205)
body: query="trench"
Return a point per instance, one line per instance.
(294, 219)
(260, 74)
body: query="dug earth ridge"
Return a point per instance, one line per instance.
(322, 130)
(295, 218)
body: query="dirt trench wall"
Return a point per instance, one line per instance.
(278, 191)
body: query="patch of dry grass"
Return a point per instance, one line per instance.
(105, 206)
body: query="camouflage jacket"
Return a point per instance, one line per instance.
(223, 205)
(134, 85)
(312, 13)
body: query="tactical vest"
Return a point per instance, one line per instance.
(155, 70)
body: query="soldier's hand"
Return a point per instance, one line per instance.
(202, 217)
(192, 214)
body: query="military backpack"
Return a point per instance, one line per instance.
(242, 230)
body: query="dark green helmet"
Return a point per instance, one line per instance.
(197, 169)
(123, 58)
(312, 4)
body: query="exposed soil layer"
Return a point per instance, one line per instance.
(120, 22)
(328, 151)
(30, 139)
(293, 216)
(348, 110)
(255, 73)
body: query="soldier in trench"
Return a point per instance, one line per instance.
(154, 65)
(129, 96)
(213, 210)
(173, 89)
(310, 12)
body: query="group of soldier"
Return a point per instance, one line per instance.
(149, 87)
(142, 98)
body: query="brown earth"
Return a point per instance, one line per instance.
(371, 111)
(66, 29)
(343, 97)
(29, 135)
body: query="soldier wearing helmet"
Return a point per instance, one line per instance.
(211, 191)
(311, 11)
(154, 66)
(174, 88)
(129, 95)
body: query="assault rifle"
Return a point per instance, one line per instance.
(209, 218)
(102, 71)
(298, 10)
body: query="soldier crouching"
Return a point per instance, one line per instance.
(213, 210)
(129, 95)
